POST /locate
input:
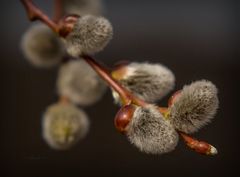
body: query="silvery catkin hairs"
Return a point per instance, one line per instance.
(149, 82)
(90, 34)
(150, 133)
(80, 83)
(63, 125)
(82, 7)
(41, 46)
(194, 107)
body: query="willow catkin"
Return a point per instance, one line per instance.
(41, 46)
(194, 107)
(150, 133)
(150, 82)
(80, 83)
(64, 125)
(90, 34)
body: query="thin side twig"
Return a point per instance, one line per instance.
(34, 13)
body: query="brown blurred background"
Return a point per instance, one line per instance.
(196, 39)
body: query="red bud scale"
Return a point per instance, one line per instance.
(123, 117)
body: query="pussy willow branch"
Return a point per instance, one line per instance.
(198, 146)
(34, 13)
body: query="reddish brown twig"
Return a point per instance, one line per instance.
(126, 96)
(62, 26)
(35, 13)
(198, 146)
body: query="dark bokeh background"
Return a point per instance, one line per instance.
(196, 39)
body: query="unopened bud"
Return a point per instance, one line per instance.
(123, 117)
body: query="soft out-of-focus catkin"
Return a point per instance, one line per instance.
(80, 83)
(41, 46)
(150, 133)
(64, 125)
(194, 107)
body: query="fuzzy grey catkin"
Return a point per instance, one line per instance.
(194, 107)
(150, 133)
(41, 46)
(149, 82)
(80, 83)
(64, 125)
(82, 7)
(90, 34)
